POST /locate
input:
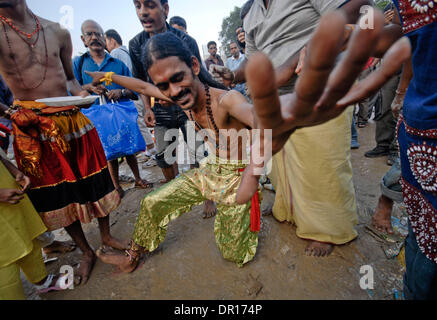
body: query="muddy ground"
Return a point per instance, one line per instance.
(188, 265)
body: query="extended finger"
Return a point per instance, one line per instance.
(393, 60)
(261, 80)
(360, 49)
(320, 60)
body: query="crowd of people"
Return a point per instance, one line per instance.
(300, 78)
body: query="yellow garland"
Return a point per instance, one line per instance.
(107, 79)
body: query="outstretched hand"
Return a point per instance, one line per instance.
(324, 89)
(97, 77)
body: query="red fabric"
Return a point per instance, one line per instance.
(85, 157)
(255, 212)
(413, 20)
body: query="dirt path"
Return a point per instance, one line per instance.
(188, 264)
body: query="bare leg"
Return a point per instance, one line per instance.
(88, 257)
(133, 165)
(107, 239)
(169, 174)
(381, 219)
(319, 249)
(126, 262)
(113, 170)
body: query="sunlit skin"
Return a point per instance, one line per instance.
(324, 90)
(59, 82)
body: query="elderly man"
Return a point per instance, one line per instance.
(61, 151)
(96, 59)
(114, 44)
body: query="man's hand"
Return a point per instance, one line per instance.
(11, 196)
(241, 35)
(97, 77)
(388, 16)
(23, 181)
(98, 89)
(115, 94)
(149, 118)
(221, 73)
(325, 87)
(397, 104)
(84, 93)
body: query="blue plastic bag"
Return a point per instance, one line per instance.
(117, 126)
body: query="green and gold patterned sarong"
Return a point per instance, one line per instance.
(215, 180)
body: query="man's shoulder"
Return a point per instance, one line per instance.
(183, 36)
(139, 39)
(51, 27)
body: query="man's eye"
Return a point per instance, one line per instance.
(163, 87)
(178, 78)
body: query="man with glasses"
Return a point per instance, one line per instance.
(96, 59)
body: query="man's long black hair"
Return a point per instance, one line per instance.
(166, 45)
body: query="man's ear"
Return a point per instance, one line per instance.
(166, 9)
(83, 40)
(195, 65)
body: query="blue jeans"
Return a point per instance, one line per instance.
(354, 130)
(420, 279)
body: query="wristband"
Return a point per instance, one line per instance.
(107, 79)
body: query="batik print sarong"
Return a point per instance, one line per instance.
(419, 183)
(216, 181)
(417, 129)
(59, 149)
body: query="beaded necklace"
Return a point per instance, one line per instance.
(210, 117)
(15, 28)
(32, 45)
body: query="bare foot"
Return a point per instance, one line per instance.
(115, 243)
(85, 268)
(60, 247)
(381, 219)
(319, 249)
(209, 209)
(123, 261)
(143, 184)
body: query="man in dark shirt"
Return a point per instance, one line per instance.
(152, 15)
(213, 58)
(6, 98)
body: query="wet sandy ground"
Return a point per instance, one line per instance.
(188, 265)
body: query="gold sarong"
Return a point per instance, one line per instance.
(214, 181)
(312, 177)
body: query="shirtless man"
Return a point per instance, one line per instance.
(175, 72)
(36, 63)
